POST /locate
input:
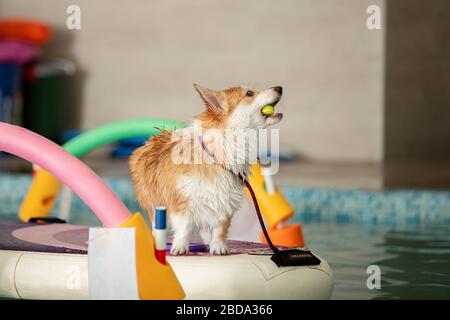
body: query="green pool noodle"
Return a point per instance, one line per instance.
(95, 138)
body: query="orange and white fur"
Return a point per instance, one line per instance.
(202, 197)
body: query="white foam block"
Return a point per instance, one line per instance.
(112, 264)
(160, 239)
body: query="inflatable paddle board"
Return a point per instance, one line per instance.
(38, 260)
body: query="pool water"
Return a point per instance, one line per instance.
(405, 233)
(414, 260)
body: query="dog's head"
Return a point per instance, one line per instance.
(240, 107)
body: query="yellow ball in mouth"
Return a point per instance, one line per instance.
(268, 110)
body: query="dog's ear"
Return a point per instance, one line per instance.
(213, 100)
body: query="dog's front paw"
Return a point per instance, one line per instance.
(218, 248)
(178, 250)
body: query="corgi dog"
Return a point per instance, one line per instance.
(202, 196)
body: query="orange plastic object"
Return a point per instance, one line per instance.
(288, 236)
(274, 207)
(156, 281)
(27, 30)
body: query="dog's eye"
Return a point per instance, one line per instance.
(249, 93)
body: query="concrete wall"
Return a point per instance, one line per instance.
(139, 58)
(417, 117)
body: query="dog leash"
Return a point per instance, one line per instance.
(282, 258)
(258, 213)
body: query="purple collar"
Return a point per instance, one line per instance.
(209, 153)
(204, 147)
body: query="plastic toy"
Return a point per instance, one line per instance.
(155, 280)
(275, 209)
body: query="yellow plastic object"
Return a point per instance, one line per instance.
(40, 197)
(274, 207)
(155, 280)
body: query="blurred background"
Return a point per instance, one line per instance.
(365, 108)
(365, 140)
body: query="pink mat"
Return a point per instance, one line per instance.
(66, 238)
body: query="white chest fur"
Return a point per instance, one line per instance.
(211, 200)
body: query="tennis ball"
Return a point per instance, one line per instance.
(268, 110)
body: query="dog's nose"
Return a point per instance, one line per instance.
(278, 89)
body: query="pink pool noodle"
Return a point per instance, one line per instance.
(68, 169)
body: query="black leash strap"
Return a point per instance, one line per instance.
(282, 258)
(45, 220)
(260, 218)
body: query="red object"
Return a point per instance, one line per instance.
(27, 30)
(161, 256)
(34, 169)
(29, 73)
